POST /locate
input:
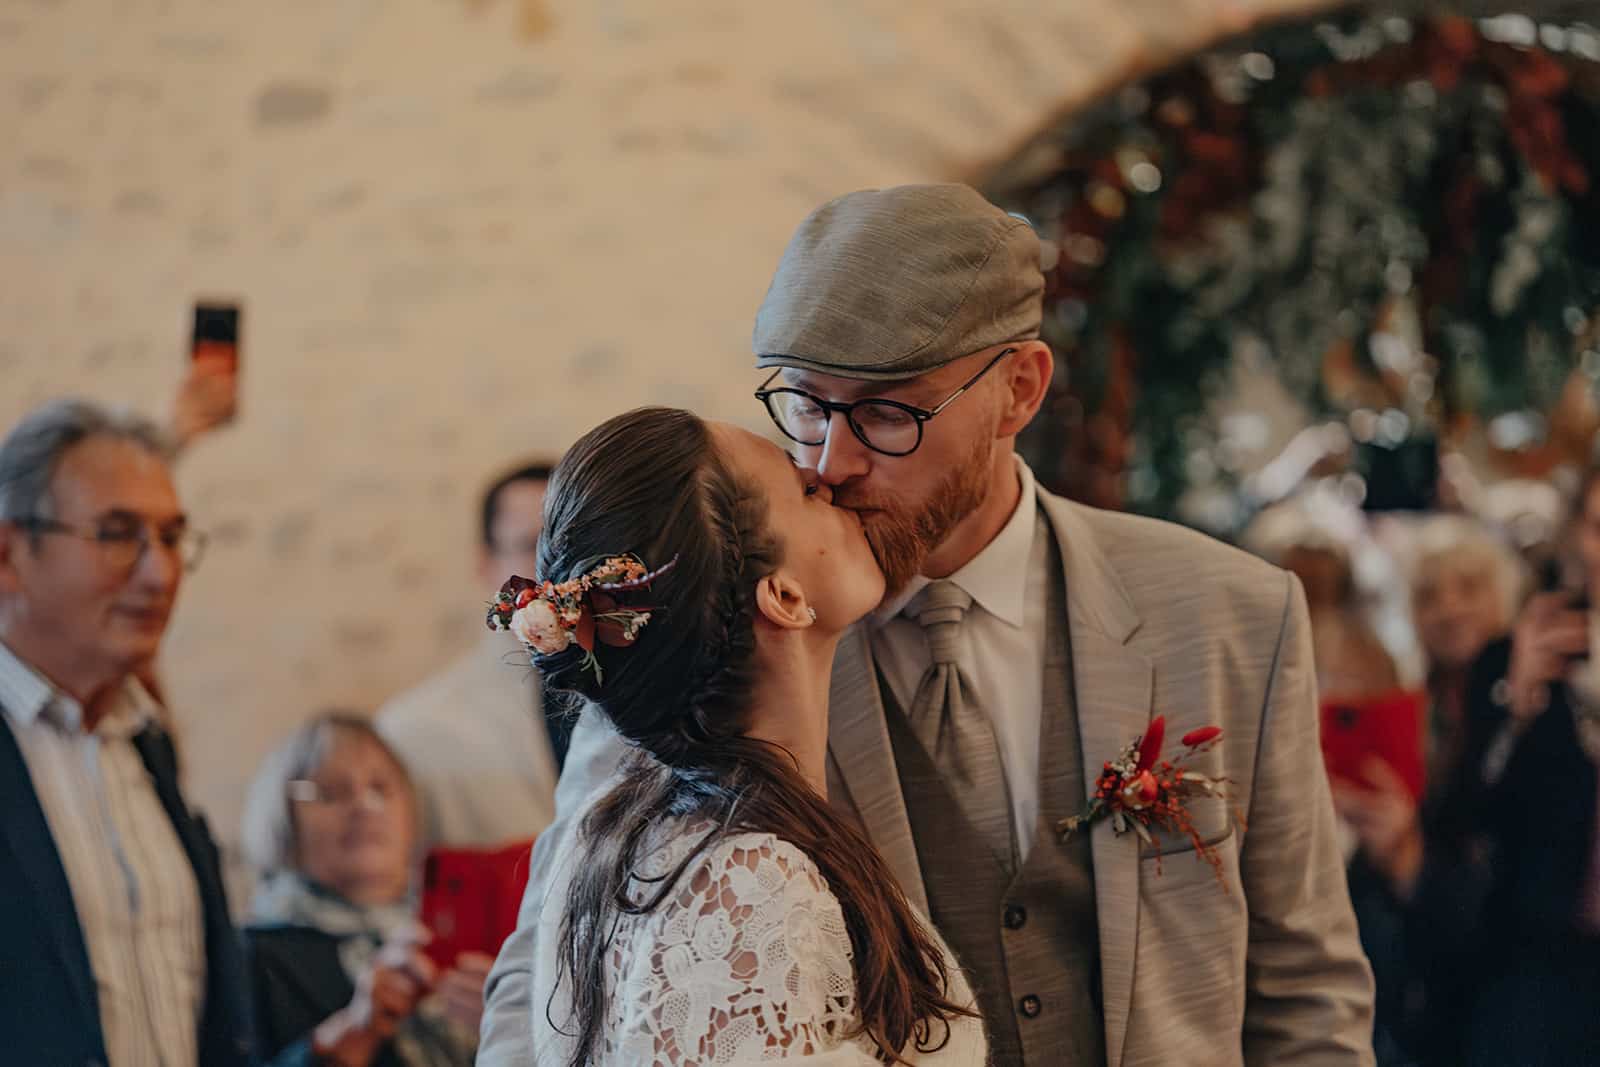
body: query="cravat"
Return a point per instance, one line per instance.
(949, 721)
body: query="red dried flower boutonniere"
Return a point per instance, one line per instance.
(1141, 792)
(549, 617)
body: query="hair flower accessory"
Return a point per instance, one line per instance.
(548, 617)
(1141, 792)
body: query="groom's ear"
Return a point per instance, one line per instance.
(782, 602)
(1027, 381)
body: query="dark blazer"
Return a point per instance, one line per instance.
(298, 982)
(1510, 975)
(49, 1006)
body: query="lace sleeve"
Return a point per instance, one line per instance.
(748, 960)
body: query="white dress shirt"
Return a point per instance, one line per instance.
(474, 740)
(132, 885)
(1001, 652)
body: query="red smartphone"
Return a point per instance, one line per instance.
(470, 898)
(216, 333)
(1388, 725)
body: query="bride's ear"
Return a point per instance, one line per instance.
(782, 602)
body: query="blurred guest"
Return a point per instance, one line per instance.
(1506, 913)
(1352, 666)
(1463, 591)
(1323, 567)
(475, 736)
(116, 947)
(334, 947)
(1350, 659)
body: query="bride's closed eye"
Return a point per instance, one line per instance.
(809, 481)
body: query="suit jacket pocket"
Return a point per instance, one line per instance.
(1189, 966)
(1213, 822)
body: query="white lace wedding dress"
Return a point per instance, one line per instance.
(746, 961)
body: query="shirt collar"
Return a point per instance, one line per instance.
(27, 696)
(24, 694)
(997, 577)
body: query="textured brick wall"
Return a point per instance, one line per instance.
(465, 231)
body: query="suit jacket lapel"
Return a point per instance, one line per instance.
(224, 1033)
(1113, 693)
(862, 760)
(32, 846)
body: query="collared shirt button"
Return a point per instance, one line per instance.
(1030, 1007)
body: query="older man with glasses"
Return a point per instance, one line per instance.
(116, 947)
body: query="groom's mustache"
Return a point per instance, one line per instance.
(858, 501)
(892, 533)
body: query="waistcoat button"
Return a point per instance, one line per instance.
(1016, 915)
(1030, 1006)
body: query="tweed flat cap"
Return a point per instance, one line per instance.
(892, 283)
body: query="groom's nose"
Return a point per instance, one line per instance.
(842, 456)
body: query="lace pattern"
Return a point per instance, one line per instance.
(747, 959)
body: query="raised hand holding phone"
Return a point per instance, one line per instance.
(1386, 726)
(1551, 635)
(208, 396)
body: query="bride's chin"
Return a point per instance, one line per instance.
(872, 594)
(880, 583)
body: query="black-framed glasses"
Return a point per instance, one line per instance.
(885, 426)
(124, 539)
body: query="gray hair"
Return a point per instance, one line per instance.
(268, 831)
(31, 452)
(1446, 542)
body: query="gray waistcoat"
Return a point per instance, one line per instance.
(1028, 941)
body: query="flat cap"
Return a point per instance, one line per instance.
(886, 284)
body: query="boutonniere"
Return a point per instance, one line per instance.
(1140, 792)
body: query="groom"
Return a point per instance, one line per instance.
(1024, 641)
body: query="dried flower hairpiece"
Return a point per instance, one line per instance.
(548, 616)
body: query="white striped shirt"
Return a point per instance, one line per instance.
(132, 885)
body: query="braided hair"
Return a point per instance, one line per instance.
(652, 483)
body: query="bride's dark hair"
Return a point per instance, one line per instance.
(652, 483)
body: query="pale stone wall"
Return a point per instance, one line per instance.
(465, 232)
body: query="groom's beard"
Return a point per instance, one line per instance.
(902, 536)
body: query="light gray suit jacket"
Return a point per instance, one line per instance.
(1266, 969)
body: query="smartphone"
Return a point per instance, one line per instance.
(1402, 478)
(1387, 725)
(470, 898)
(216, 333)
(1557, 575)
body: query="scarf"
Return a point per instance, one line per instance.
(428, 1038)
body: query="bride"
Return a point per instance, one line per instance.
(711, 908)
